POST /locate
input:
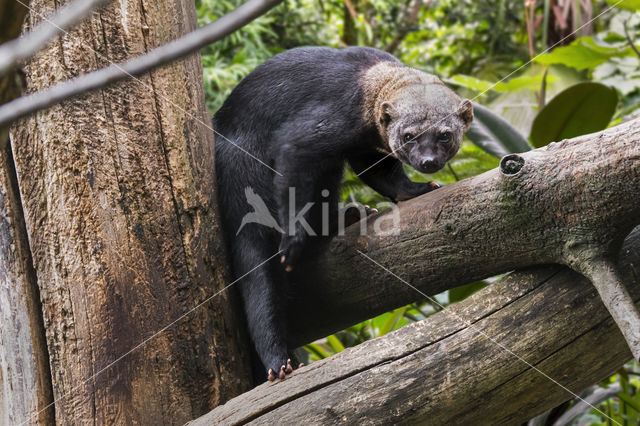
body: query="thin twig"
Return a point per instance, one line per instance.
(19, 50)
(138, 65)
(629, 40)
(455, 175)
(404, 29)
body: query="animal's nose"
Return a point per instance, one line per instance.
(428, 163)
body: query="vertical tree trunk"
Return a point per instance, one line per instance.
(25, 379)
(118, 193)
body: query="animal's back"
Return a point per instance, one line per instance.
(292, 81)
(313, 89)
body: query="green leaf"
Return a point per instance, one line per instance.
(516, 83)
(316, 350)
(582, 108)
(392, 320)
(335, 343)
(522, 82)
(494, 134)
(582, 53)
(460, 293)
(629, 400)
(625, 4)
(471, 82)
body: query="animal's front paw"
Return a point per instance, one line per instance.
(354, 213)
(418, 189)
(291, 251)
(282, 371)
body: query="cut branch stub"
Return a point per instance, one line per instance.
(511, 164)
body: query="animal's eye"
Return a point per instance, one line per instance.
(408, 138)
(444, 137)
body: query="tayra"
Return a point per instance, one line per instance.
(284, 134)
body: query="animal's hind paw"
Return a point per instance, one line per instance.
(282, 373)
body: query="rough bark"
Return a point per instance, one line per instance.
(25, 383)
(482, 361)
(118, 193)
(571, 200)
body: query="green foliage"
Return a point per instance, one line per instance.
(584, 53)
(514, 84)
(632, 5)
(624, 408)
(583, 108)
(623, 73)
(226, 62)
(494, 134)
(460, 293)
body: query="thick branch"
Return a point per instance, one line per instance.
(606, 279)
(519, 347)
(139, 65)
(19, 50)
(567, 197)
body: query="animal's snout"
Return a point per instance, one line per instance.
(429, 165)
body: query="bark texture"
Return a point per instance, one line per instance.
(25, 383)
(517, 348)
(570, 201)
(118, 191)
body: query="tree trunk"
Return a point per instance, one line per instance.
(25, 379)
(118, 192)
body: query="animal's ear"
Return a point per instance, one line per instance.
(466, 113)
(387, 113)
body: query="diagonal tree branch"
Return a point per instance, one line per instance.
(406, 26)
(19, 50)
(137, 66)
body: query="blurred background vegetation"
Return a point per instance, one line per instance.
(544, 71)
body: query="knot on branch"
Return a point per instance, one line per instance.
(511, 164)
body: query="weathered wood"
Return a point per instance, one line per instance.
(472, 363)
(118, 192)
(577, 196)
(25, 379)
